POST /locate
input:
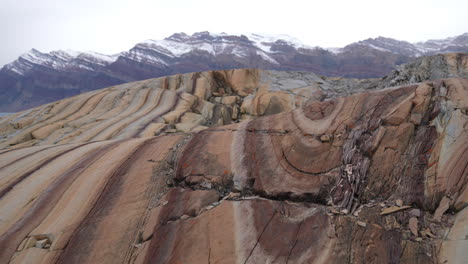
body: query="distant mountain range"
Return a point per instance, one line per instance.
(36, 78)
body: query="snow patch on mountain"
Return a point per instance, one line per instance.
(264, 41)
(102, 57)
(334, 50)
(141, 56)
(177, 49)
(377, 48)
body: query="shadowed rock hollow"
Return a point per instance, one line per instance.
(246, 166)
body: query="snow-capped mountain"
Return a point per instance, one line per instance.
(61, 61)
(165, 51)
(386, 45)
(452, 44)
(242, 46)
(36, 77)
(430, 47)
(267, 47)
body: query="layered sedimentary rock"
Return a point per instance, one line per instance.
(308, 176)
(188, 102)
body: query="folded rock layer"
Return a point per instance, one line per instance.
(188, 102)
(366, 178)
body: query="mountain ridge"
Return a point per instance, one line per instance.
(37, 78)
(421, 48)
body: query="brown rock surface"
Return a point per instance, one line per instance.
(258, 191)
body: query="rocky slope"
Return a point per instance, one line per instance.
(307, 176)
(188, 102)
(37, 78)
(428, 68)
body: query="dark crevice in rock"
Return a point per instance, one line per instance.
(142, 240)
(224, 190)
(260, 131)
(221, 84)
(288, 196)
(172, 159)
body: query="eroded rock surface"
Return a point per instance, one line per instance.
(188, 102)
(428, 68)
(361, 179)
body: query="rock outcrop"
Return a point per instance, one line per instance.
(188, 102)
(307, 176)
(428, 68)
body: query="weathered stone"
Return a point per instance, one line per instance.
(229, 100)
(235, 113)
(361, 223)
(231, 195)
(44, 243)
(183, 217)
(413, 225)
(399, 202)
(394, 209)
(427, 232)
(443, 206)
(391, 222)
(325, 138)
(415, 212)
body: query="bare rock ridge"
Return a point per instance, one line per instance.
(36, 78)
(188, 102)
(247, 166)
(428, 68)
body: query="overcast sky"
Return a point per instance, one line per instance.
(111, 26)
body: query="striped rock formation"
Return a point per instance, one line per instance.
(188, 102)
(367, 178)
